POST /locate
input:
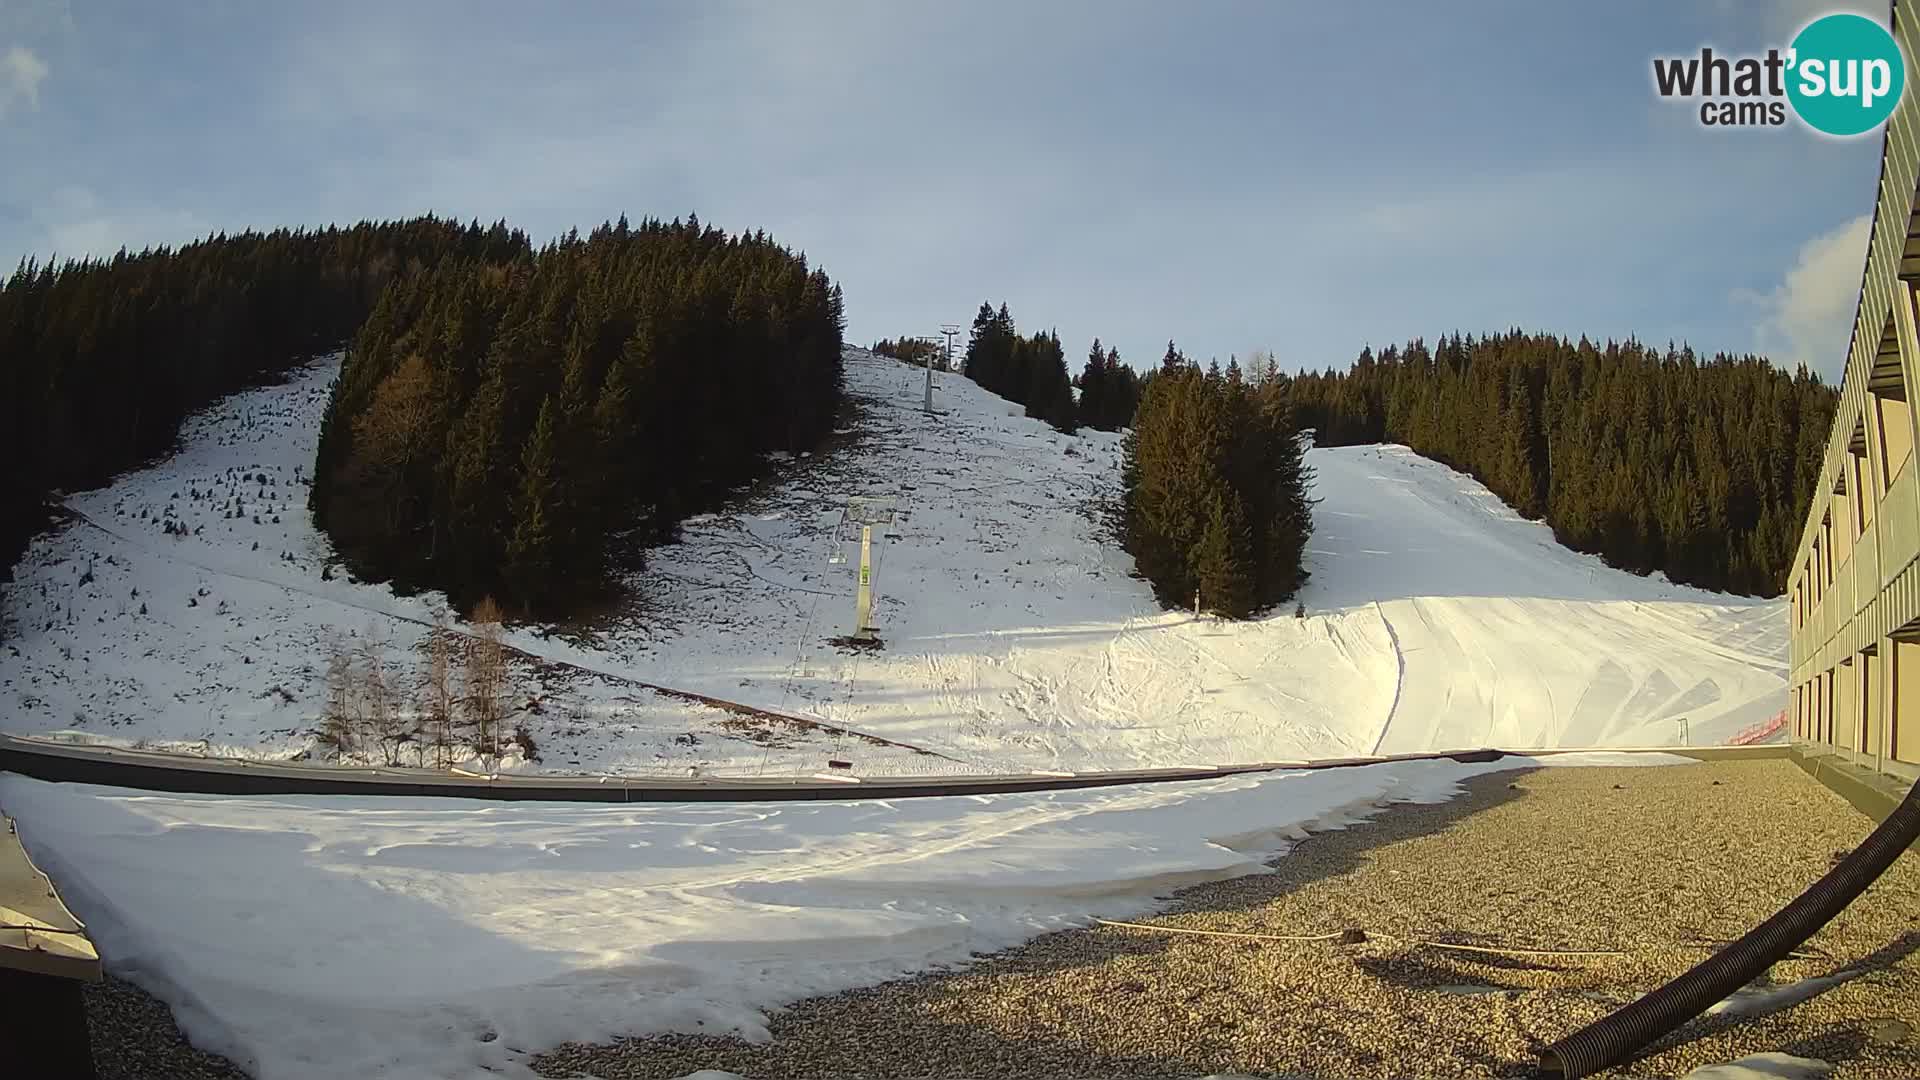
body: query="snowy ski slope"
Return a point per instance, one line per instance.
(314, 936)
(1015, 637)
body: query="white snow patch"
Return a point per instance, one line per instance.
(1758, 1000)
(1612, 757)
(332, 936)
(1768, 1066)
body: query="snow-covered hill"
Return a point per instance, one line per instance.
(1014, 636)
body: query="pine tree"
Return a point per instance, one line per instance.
(997, 357)
(1223, 559)
(1174, 360)
(1095, 404)
(1521, 433)
(978, 364)
(1050, 393)
(1123, 392)
(531, 552)
(1287, 509)
(1215, 495)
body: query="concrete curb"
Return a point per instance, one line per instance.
(1873, 793)
(150, 770)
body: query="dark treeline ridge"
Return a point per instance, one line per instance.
(100, 359)
(497, 425)
(1215, 505)
(1651, 458)
(915, 351)
(1030, 371)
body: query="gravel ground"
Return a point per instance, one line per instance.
(134, 1038)
(1661, 863)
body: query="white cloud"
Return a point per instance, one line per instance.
(1809, 316)
(21, 73)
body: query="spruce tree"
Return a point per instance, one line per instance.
(531, 552)
(1174, 360)
(1123, 392)
(978, 363)
(1223, 559)
(1215, 496)
(1095, 398)
(1050, 393)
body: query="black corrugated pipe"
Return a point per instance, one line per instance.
(1617, 1037)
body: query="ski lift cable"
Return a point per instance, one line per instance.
(791, 684)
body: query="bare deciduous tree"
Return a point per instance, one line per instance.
(371, 711)
(338, 728)
(436, 705)
(486, 676)
(386, 725)
(1261, 367)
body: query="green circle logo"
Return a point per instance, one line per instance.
(1845, 74)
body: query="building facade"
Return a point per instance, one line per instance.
(1854, 588)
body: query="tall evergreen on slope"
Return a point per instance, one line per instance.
(1030, 371)
(1049, 393)
(991, 358)
(1109, 390)
(1093, 383)
(1215, 492)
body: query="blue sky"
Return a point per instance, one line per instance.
(1233, 175)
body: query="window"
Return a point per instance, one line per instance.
(1896, 432)
(1826, 549)
(1847, 528)
(1846, 712)
(1828, 686)
(1860, 482)
(1869, 701)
